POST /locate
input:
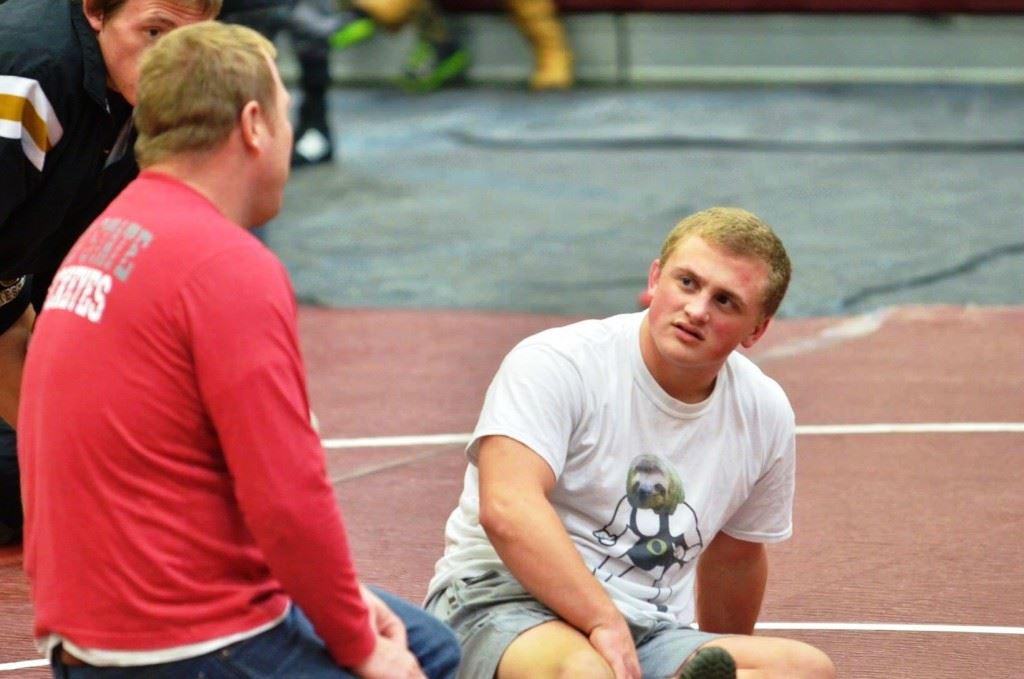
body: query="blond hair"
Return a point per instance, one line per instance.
(742, 234)
(193, 84)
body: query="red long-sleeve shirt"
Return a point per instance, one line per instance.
(174, 489)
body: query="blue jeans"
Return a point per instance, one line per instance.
(291, 649)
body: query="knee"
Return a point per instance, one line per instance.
(448, 656)
(445, 665)
(436, 648)
(584, 663)
(803, 661)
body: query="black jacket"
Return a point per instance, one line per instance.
(66, 140)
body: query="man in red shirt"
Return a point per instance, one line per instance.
(178, 517)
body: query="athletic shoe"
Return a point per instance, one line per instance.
(312, 147)
(709, 663)
(429, 66)
(356, 26)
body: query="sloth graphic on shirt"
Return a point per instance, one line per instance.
(652, 528)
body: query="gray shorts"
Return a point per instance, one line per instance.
(489, 611)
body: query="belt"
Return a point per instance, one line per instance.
(71, 661)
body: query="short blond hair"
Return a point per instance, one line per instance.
(741, 233)
(193, 84)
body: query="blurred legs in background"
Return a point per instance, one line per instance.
(439, 57)
(552, 58)
(310, 24)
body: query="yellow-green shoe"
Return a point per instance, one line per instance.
(356, 28)
(429, 66)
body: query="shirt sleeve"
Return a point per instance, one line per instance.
(767, 513)
(242, 321)
(29, 128)
(536, 398)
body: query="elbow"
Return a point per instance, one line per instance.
(499, 517)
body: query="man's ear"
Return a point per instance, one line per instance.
(252, 125)
(653, 274)
(92, 15)
(759, 330)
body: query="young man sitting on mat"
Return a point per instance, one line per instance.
(625, 476)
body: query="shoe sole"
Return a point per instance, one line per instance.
(710, 663)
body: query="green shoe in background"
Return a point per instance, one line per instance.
(356, 27)
(429, 66)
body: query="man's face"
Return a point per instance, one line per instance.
(125, 35)
(705, 302)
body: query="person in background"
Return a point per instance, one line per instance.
(178, 516)
(68, 72)
(309, 24)
(439, 57)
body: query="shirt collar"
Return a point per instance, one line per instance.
(94, 80)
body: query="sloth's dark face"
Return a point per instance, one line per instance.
(650, 487)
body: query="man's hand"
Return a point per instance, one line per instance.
(382, 619)
(615, 644)
(389, 660)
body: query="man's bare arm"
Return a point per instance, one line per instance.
(13, 347)
(530, 538)
(731, 579)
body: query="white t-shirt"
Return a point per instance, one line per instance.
(644, 481)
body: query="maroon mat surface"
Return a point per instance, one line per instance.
(910, 529)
